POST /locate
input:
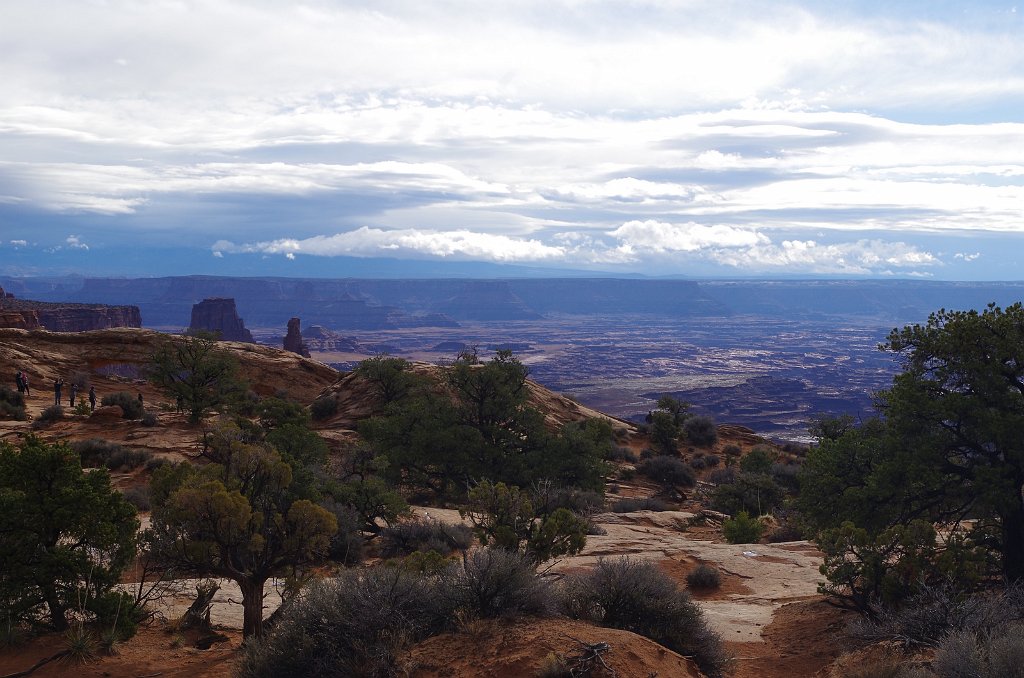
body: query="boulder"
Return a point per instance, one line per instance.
(107, 413)
(293, 340)
(218, 315)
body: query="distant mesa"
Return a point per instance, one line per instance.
(64, 317)
(293, 340)
(218, 315)
(452, 346)
(319, 338)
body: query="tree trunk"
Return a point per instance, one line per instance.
(252, 607)
(58, 613)
(1013, 544)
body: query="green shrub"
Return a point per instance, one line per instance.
(620, 453)
(323, 407)
(149, 419)
(700, 430)
(742, 529)
(636, 596)
(753, 493)
(411, 536)
(129, 404)
(667, 471)
(758, 460)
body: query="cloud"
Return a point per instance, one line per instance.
(19, 243)
(967, 257)
(860, 257)
(366, 241)
(660, 237)
(75, 243)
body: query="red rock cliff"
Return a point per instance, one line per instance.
(220, 316)
(61, 317)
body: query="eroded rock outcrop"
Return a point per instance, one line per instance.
(64, 317)
(293, 340)
(218, 315)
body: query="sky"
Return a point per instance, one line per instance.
(659, 137)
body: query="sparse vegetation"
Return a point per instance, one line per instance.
(636, 596)
(630, 505)
(701, 430)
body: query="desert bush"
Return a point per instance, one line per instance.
(355, 624)
(410, 536)
(636, 596)
(138, 497)
(667, 471)
(97, 453)
(742, 529)
(493, 582)
(758, 460)
(48, 416)
(346, 544)
(323, 407)
(153, 463)
(999, 654)
(128, 403)
(712, 460)
(786, 476)
(700, 430)
(722, 476)
(581, 502)
(750, 492)
(125, 458)
(698, 463)
(620, 453)
(149, 419)
(632, 504)
(787, 531)
(937, 610)
(704, 577)
(12, 405)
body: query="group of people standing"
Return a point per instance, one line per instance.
(21, 381)
(58, 386)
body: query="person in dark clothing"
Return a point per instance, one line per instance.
(58, 384)
(19, 383)
(24, 382)
(74, 392)
(92, 398)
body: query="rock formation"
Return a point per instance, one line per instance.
(218, 315)
(64, 317)
(293, 340)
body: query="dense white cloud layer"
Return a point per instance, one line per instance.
(800, 137)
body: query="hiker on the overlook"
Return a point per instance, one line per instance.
(92, 398)
(58, 384)
(24, 382)
(19, 383)
(74, 392)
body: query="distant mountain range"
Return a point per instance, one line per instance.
(364, 303)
